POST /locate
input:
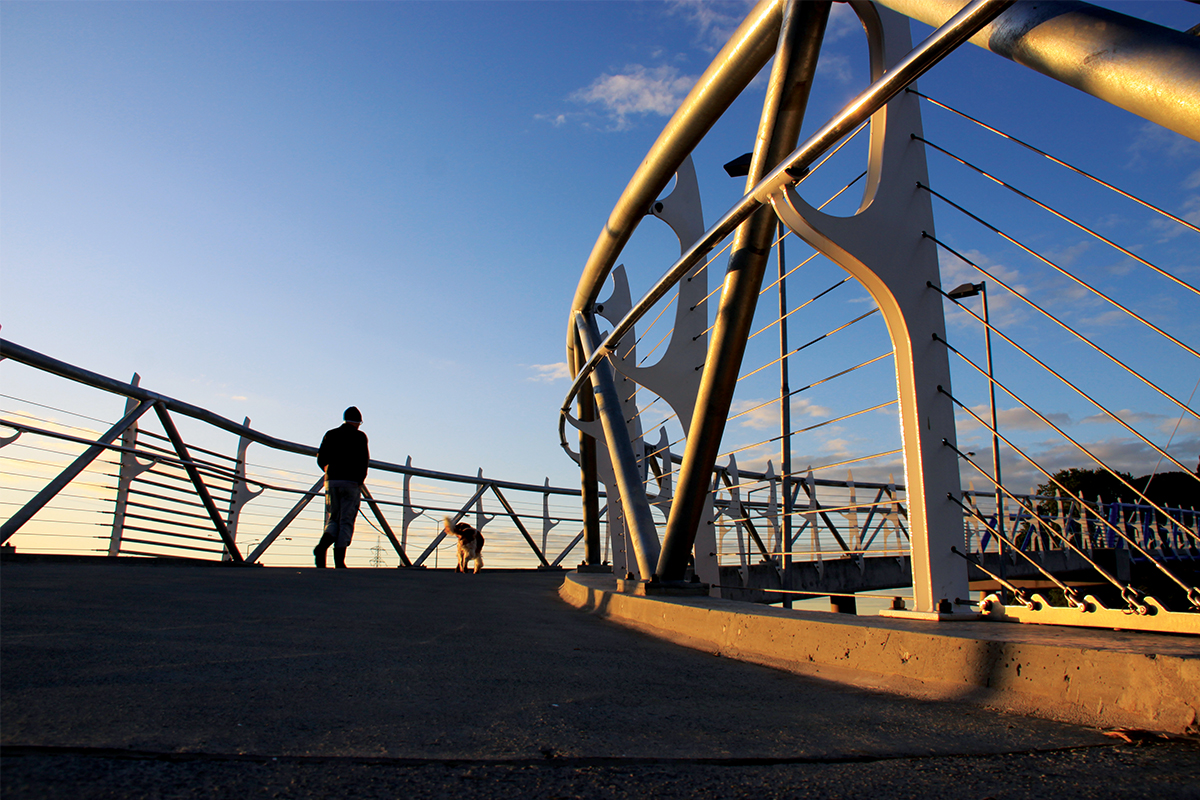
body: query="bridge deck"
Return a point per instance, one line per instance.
(120, 680)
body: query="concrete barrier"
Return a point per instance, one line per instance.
(1105, 679)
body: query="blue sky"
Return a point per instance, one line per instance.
(276, 210)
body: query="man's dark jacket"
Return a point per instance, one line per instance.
(344, 455)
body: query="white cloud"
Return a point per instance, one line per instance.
(1003, 308)
(767, 417)
(842, 23)
(1191, 211)
(1154, 141)
(548, 373)
(835, 66)
(638, 90)
(1067, 256)
(1141, 420)
(1010, 419)
(715, 21)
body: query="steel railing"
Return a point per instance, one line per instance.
(140, 489)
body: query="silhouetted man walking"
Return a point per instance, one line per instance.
(343, 456)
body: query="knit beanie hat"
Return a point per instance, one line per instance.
(352, 415)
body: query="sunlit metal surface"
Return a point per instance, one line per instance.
(1141, 67)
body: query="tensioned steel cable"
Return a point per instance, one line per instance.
(71, 522)
(56, 465)
(65, 495)
(813, 384)
(659, 344)
(76, 482)
(849, 461)
(1174, 431)
(1063, 324)
(1062, 216)
(814, 255)
(1192, 592)
(1060, 162)
(1016, 590)
(710, 294)
(68, 454)
(806, 429)
(789, 273)
(1033, 513)
(675, 297)
(803, 511)
(1067, 436)
(1060, 270)
(163, 458)
(769, 287)
(777, 320)
(1046, 367)
(59, 410)
(809, 343)
(193, 448)
(638, 340)
(793, 269)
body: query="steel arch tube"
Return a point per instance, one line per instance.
(616, 433)
(1146, 69)
(800, 38)
(746, 52)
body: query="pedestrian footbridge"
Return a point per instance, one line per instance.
(920, 492)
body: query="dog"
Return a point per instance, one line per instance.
(470, 544)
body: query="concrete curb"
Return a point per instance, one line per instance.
(1103, 679)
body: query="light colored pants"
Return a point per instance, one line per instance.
(341, 509)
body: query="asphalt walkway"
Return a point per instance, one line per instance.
(133, 681)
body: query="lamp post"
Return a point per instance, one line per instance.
(960, 293)
(739, 168)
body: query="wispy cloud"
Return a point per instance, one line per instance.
(842, 23)
(636, 91)
(767, 417)
(1009, 420)
(548, 373)
(1154, 141)
(1003, 308)
(1183, 423)
(714, 21)
(835, 66)
(1191, 206)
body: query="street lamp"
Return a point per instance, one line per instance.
(960, 293)
(740, 168)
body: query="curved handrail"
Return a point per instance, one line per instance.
(32, 358)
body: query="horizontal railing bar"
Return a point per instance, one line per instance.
(168, 522)
(222, 490)
(170, 533)
(173, 546)
(160, 437)
(37, 360)
(185, 501)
